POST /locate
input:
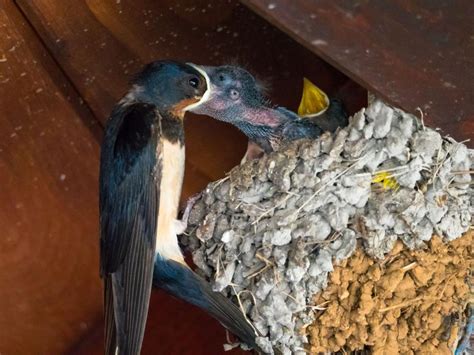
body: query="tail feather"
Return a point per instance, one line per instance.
(109, 318)
(183, 283)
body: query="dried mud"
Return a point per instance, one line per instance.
(269, 234)
(412, 302)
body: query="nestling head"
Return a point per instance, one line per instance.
(171, 86)
(233, 95)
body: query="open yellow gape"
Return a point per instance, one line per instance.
(314, 101)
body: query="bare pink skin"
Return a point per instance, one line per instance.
(264, 117)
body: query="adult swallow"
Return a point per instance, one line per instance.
(141, 174)
(235, 96)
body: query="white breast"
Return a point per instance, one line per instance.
(172, 165)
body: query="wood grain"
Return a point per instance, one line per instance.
(413, 53)
(50, 292)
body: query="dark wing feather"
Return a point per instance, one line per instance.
(132, 287)
(129, 178)
(128, 160)
(300, 129)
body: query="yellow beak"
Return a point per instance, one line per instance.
(314, 101)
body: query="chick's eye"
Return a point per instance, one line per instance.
(194, 82)
(234, 94)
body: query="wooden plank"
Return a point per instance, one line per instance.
(413, 53)
(99, 43)
(50, 293)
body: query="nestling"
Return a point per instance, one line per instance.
(235, 96)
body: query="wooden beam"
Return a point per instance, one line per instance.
(50, 294)
(414, 54)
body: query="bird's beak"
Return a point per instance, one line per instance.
(314, 101)
(212, 98)
(204, 71)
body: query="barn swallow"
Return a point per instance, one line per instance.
(235, 96)
(141, 174)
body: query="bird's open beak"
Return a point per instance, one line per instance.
(214, 99)
(314, 101)
(206, 73)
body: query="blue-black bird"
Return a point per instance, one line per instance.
(235, 96)
(141, 174)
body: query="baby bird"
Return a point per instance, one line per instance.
(235, 96)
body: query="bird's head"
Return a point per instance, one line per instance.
(171, 86)
(234, 96)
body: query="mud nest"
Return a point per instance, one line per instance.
(313, 234)
(413, 302)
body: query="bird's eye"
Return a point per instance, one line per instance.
(234, 94)
(221, 77)
(194, 82)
